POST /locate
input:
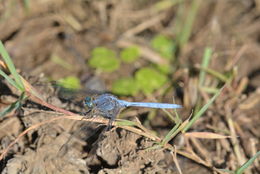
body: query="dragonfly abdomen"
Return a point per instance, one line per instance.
(150, 105)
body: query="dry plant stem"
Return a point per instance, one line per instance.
(235, 142)
(44, 103)
(202, 151)
(234, 61)
(205, 135)
(234, 138)
(242, 85)
(139, 132)
(175, 160)
(144, 51)
(198, 160)
(72, 21)
(3, 66)
(36, 97)
(192, 156)
(147, 131)
(250, 104)
(143, 26)
(253, 144)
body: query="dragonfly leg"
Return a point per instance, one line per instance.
(92, 114)
(109, 126)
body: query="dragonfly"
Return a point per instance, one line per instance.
(109, 106)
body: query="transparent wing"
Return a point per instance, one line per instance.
(73, 100)
(66, 94)
(86, 134)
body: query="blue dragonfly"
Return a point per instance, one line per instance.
(109, 106)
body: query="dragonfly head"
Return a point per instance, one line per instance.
(89, 102)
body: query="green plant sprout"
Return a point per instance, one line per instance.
(125, 86)
(164, 46)
(165, 69)
(148, 80)
(130, 54)
(70, 82)
(104, 59)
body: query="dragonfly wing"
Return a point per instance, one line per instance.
(85, 130)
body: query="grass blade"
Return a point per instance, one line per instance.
(17, 104)
(10, 108)
(170, 134)
(26, 4)
(187, 26)
(11, 66)
(17, 86)
(218, 75)
(205, 64)
(247, 164)
(202, 110)
(209, 90)
(125, 123)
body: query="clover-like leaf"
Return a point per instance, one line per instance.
(166, 69)
(125, 86)
(70, 82)
(104, 59)
(164, 46)
(148, 79)
(130, 54)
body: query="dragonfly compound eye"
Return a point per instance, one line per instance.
(88, 102)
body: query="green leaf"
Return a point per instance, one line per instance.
(130, 54)
(70, 82)
(166, 69)
(149, 79)
(164, 46)
(104, 59)
(125, 86)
